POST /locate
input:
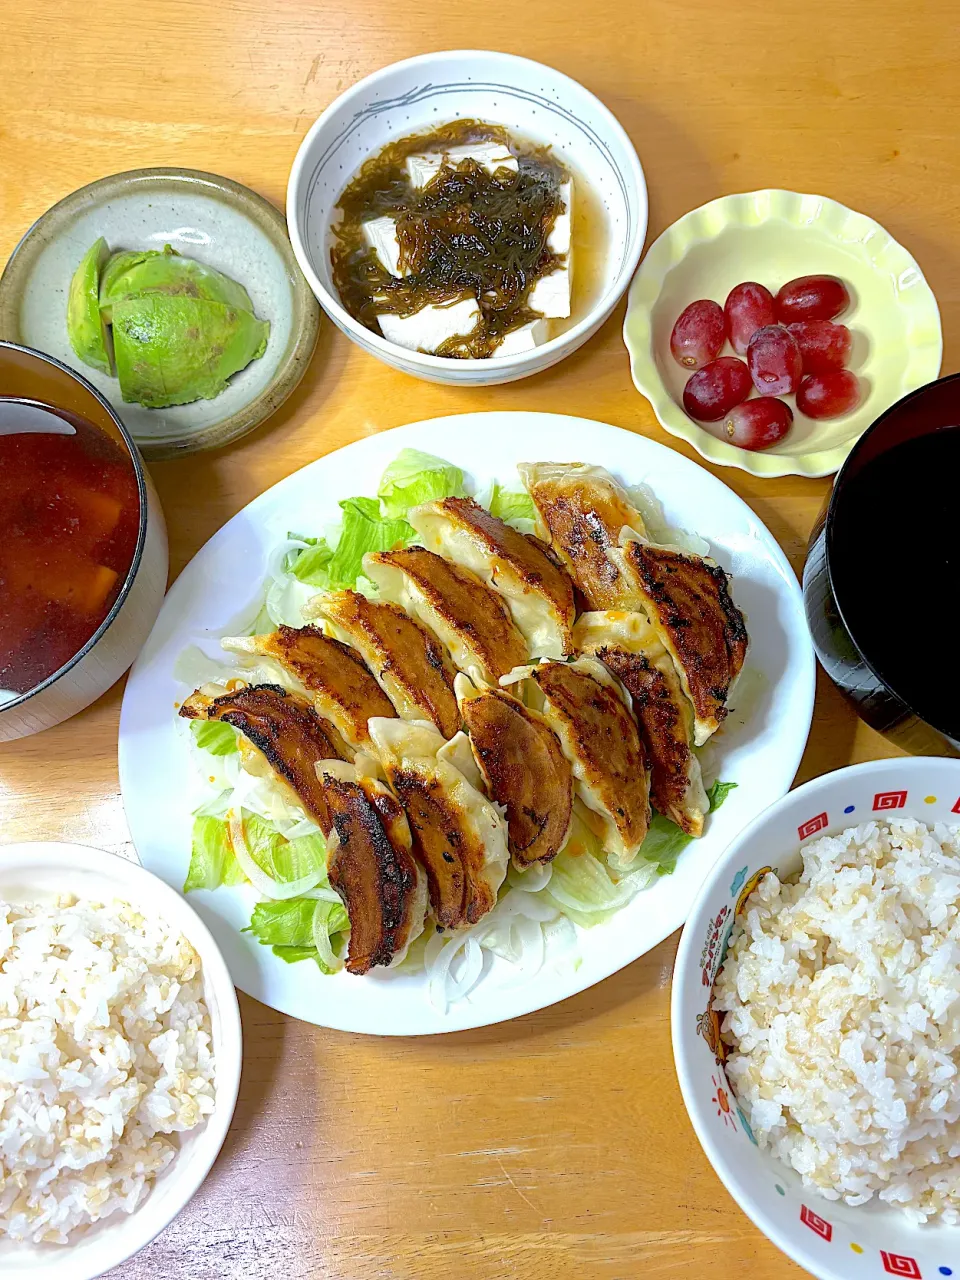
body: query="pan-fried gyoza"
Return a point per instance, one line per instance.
(581, 511)
(459, 837)
(371, 865)
(687, 600)
(628, 646)
(470, 618)
(602, 539)
(284, 728)
(329, 672)
(468, 696)
(538, 592)
(523, 767)
(590, 713)
(408, 661)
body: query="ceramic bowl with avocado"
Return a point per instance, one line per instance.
(176, 293)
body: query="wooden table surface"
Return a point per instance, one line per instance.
(555, 1146)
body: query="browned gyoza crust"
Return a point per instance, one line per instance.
(405, 651)
(285, 728)
(466, 604)
(688, 603)
(452, 856)
(374, 875)
(656, 704)
(604, 735)
(584, 518)
(332, 670)
(525, 771)
(526, 556)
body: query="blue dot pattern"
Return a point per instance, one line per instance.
(850, 808)
(945, 1271)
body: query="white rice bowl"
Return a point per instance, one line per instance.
(842, 1000)
(105, 1057)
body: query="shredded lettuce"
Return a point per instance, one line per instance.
(509, 506)
(212, 863)
(281, 859)
(364, 529)
(288, 927)
(665, 841)
(718, 792)
(414, 477)
(311, 563)
(290, 955)
(287, 923)
(214, 736)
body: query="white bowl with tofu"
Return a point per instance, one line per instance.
(595, 238)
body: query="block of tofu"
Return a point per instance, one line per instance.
(559, 239)
(525, 338)
(491, 156)
(551, 294)
(431, 326)
(381, 235)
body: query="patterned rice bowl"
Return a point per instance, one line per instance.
(832, 1240)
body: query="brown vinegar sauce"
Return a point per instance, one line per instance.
(380, 188)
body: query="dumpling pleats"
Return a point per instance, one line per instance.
(524, 769)
(629, 647)
(459, 837)
(469, 617)
(370, 864)
(538, 592)
(590, 712)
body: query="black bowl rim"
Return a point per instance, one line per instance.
(138, 469)
(829, 529)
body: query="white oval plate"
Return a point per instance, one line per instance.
(759, 751)
(37, 872)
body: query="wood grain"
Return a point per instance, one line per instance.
(556, 1146)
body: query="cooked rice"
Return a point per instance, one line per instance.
(842, 994)
(105, 1054)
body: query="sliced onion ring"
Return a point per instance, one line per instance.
(321, 940)
(274, 889)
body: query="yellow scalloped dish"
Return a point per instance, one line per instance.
(775, 236)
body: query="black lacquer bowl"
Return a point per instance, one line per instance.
(849, 640)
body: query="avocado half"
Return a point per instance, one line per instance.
(180, 329)
(173, 350)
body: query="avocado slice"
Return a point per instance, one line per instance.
(176, 349)
(85, 327)
(131, 275)
(117, 265)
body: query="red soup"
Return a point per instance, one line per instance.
(69, 522)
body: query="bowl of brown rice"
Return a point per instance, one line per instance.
(120, 1052)
(816, 1020)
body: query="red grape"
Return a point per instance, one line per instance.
(748, 308)
(812, 298)
(828, 395)
(714, 390)
(823, 346)
(774, 361)
(698, 335)
(757, 424)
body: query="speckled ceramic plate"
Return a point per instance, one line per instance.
(772, 237)
(212, 219)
